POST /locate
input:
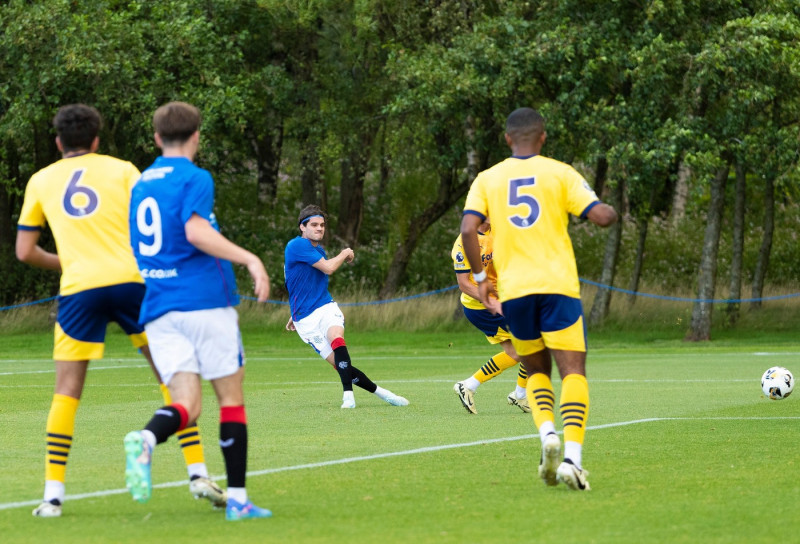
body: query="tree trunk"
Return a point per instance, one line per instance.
(600, 176)
(735, 291)
(10, 202)
(706, 280)
(351, 196)
(681, 194)
(642, 224)
(602, 299)
(6, 247)
(418, 226)
(310, 177)
(267, 146)
(762, 265)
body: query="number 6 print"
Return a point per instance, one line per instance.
(74, 188)
(516, 199)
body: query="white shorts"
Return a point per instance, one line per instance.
(313, 329)
(204, 342)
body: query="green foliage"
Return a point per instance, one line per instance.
(406, 91)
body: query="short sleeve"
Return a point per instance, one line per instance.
(476, 198)
(300, 250)
(199, 196)
(580, 195)
(460, 262)
(31, 217)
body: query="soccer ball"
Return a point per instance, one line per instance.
(777, 383)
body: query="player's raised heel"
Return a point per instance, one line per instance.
(204, 488)
(522, 403)
(466, 396)
(572, 476)
(549, 463)
(396, 400)
(48, 509)
(137, 466)
(236, 511)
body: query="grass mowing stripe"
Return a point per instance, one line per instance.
(415, 451)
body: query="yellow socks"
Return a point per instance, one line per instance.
(574, 407)
(60, 426)
(494, 366)
(190, 441)
(541, 398)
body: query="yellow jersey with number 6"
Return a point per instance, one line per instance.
(528, 200)
(85, 200)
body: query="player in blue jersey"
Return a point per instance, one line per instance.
(188, 309)
(529, 198)
(84, 197)
(315, 316)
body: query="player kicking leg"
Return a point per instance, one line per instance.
(323, 330)
(494, 327)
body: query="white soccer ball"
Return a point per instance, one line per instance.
(777, 383)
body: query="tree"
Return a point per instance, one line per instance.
(735, 79)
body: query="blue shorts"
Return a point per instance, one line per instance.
(84, 316)
(493, 326)
(538, 321)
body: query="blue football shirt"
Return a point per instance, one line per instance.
(307, 286)
(177, 275)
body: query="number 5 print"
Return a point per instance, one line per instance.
(516, 199)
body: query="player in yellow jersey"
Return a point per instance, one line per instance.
(492, 325)
(529, 198)
(85, 197)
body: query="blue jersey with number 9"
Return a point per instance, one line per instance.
(528, 200)
(178, 276)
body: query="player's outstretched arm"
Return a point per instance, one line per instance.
(204, 237)
(29, 252)
(329, 266)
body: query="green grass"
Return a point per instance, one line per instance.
(682, 447)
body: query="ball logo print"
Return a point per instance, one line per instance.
(777, 383)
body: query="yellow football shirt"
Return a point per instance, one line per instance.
(528, 200)
(461, 266)
(85, 200)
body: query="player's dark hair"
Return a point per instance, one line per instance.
(524, 125)
(175, 122)
(308, 212)
(77, 125)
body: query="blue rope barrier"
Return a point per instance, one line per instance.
(15, 306)
(684, 299)
(445, 289)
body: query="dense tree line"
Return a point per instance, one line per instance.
(384, 111)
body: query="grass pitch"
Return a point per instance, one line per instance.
(682, 447)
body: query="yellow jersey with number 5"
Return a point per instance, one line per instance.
(528, 200)
(85, 201)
